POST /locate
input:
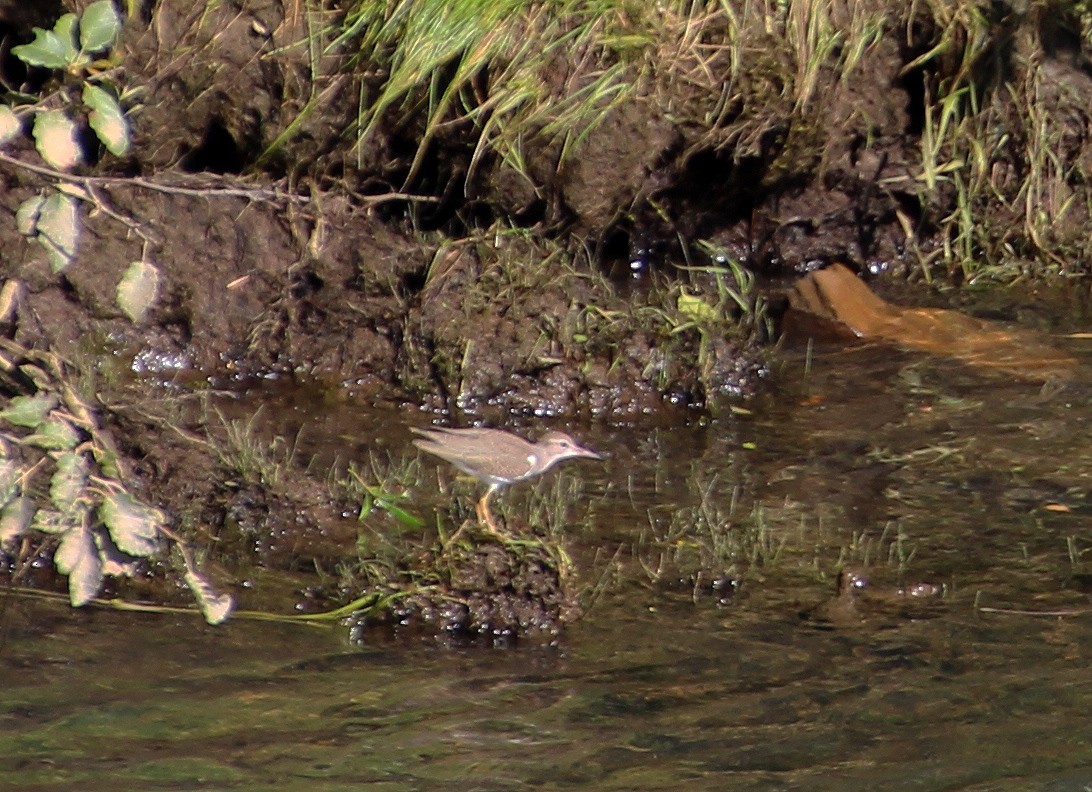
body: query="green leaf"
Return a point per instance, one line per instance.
(388, 502)
(404, 517)
(133, 526)
(376, 497)
(696, 309)
(59, 229)
(53, 49)
(26, 216)
(9, 475)
(15, 519)
(214, 607)
(69, 482)
(10, 126)
(12, 295)
(9, 479)
(107, 460)
(78, 557)
(29, 411)
(55, 139)
(56, 434)
(51, 522)
(107, 119)
(137, 290)
(99, 26)
(65, 31)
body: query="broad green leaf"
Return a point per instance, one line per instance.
(214, 607)
(69, 482)
(137, 289)
(59, 229)
(133, 526)
(53, 50)
(26, 216)
(58, 260)
(107, 119)
(78, 557)
(99, 26)
(65, 30)
(56, 434)
(29, 411)
(55, 139)
(10, 126)
(15, 519)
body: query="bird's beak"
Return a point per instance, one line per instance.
(587, 452)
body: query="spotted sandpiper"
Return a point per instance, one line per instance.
(498, 458)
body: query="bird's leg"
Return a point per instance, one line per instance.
(481, 508)
(485, 516)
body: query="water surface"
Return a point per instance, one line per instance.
(914, 469)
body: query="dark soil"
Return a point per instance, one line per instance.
(483, 293)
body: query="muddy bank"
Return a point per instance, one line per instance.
(415, 255)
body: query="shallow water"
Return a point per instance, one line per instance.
(914, 469)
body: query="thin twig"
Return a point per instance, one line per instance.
(251, 193)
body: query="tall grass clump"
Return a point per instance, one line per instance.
(998, 154)
(517, 70)
(510, 69)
